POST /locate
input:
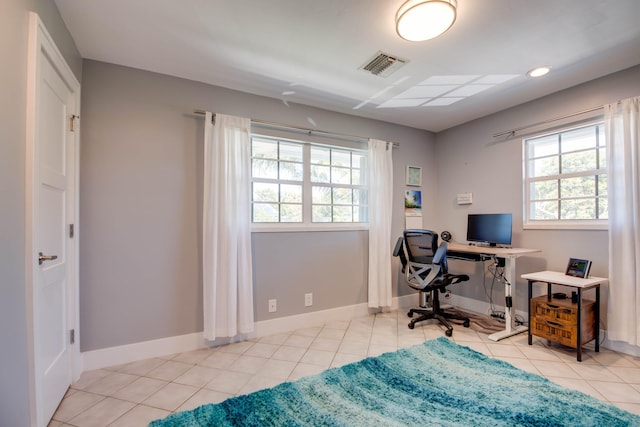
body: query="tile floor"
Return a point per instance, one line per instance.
(136, 393)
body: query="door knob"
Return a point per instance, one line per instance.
(43, 258)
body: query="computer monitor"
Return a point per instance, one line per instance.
(492, 229)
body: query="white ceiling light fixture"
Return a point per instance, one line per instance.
(419, 20)
(539, 71)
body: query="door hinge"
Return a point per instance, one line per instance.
(72, 122)
(72, 336)
(71, 231)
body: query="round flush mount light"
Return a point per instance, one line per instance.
(419, 20)
(539, 71)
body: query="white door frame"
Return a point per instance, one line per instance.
(40, 42)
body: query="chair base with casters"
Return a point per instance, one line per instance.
(426, 270)
(437, 313)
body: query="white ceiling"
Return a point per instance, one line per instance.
(311, 52)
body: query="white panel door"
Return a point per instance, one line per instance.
(51, 189)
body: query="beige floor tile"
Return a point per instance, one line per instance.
(229, 382)
(292, 354)
(303, 341)
(321, 358)
(617, 392)
(76, 403)
(140, 415)
(102, 413)
(220, 360)
(169, 370)
(198, 376)
(171, 396)
(237, 348)
(327, 344)
(248, 364)
(194, 357)
(110, 384)
(280, 369)
(140, 367)
(261, 350)
(203, 397)
(139, 390)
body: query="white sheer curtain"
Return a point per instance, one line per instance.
(380, 208)
(623, 135)
(227, 273)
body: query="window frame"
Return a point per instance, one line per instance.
(563, 224)
(306, 224)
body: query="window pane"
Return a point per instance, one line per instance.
(578, 139)
(321, 195)
(320, 156)
(360, 197)
(342, 196)
(342, 214)
(544, 211)
(320, 173)
(267, 169)
(544, 190)
(603, 208)
(290, 193)
(358, 160)
(264, 149)
(355, 177)
(290, 171)
(579, 162)
(602, 185)
(265, 192)
(543, 146)
(290, 213)
(340, 176)
(360, 214)
(265, 212)
(602, 158)
(547, 166)
(578, 209)
(340, 158)
(291, 152)
(578, 187)
(321, 213)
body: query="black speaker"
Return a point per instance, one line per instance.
(445, 235)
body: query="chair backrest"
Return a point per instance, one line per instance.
(421, 245)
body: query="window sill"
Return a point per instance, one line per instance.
(566, 225)
(287, 228)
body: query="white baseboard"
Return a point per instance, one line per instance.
(119, 355)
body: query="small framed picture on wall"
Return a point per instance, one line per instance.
(414, 176)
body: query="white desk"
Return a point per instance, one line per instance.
(509, 255)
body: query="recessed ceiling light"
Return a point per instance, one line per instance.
(539, 71)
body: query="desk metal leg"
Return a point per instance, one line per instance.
(597, 308)
(509, 289)
(530, 284)
(579, 328)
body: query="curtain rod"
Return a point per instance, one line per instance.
(512, 132)
(309, 131)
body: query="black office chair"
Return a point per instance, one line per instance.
(425, 268)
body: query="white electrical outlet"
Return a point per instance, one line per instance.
(308, 300)
(272, 306)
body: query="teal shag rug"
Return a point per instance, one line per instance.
(436, 383)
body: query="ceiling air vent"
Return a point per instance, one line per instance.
(383, 64)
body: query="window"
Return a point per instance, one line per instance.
(566, 179)
(303, 183)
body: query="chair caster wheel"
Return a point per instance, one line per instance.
(410, 314)
(411, 325)
(466, 324)
(448, 332)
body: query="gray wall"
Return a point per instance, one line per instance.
(14, 403)
(471, 160)
(140, 206)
